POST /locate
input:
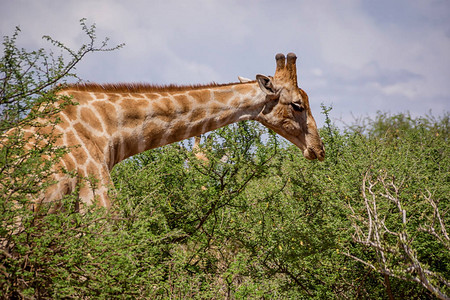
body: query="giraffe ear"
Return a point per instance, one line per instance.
(243, 79)
(266, 85)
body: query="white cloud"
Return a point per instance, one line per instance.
(360, 55)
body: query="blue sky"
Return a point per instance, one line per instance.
(359, 56)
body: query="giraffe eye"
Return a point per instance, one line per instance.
(297, 107)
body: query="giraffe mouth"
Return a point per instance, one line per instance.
(311, 154)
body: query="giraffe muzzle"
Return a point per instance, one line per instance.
(313, 154)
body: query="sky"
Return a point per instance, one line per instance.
(358, 56)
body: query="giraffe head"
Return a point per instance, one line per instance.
(287, 110)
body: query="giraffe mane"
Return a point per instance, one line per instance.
(140, 87)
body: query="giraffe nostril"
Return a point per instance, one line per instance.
(312, 153)
(321, 155)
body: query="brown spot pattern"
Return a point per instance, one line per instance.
(109, 115)
(89, 117)
(201, 97)
(183, 103)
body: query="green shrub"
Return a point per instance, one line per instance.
(256, 220)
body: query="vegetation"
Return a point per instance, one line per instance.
(256, 220)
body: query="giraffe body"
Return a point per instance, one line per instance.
(113, 122)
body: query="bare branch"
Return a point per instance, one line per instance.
(393, 247)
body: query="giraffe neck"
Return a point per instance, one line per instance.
(141, 121)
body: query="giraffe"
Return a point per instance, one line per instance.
(196, 149)
(114, 121)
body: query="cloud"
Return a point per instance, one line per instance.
(360, 55)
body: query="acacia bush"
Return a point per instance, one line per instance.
(35, 247)
(258, 220)
(253, 220)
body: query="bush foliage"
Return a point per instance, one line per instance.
(254, 220)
